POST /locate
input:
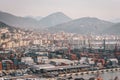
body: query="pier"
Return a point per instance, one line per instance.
(90, 72)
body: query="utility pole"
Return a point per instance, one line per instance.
(104, 44)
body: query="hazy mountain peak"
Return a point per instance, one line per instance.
(55, 19)
(89, 18)
(117, 20)
(57, 14)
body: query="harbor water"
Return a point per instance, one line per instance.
(110, 75)
(105, 75)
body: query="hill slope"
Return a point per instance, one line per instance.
(18, 21)
(10, 28)
(114, 29)
(84, 25)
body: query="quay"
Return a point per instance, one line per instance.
(90, 72)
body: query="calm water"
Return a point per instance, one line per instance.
(105, 75)
(110, 75)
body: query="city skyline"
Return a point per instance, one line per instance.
(104, 9)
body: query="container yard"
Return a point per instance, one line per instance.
(58, 58)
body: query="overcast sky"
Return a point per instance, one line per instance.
(104, 9)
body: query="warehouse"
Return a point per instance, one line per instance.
(42, 66)
(68, 68)
(27, 60)
(61, 62)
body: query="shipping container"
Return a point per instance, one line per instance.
(0, 66)
(15, 61)
(73, 56)
(21, 65)
(7, 65)
(4, 65)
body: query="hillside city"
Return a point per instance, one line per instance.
(30, 55)
(59, 39)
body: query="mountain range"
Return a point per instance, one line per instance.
(83, 25)
(60, 22)
(115, 20)
(31, 23)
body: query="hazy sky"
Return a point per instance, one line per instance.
(104, 9)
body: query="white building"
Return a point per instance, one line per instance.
(27, 60)
(61, 62)
(42, 59)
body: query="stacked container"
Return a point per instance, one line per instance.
(4, 65)
(7, 65)
(0, 66)
(73, 56)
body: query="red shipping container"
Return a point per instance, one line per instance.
(0, 65)
(73, 57)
